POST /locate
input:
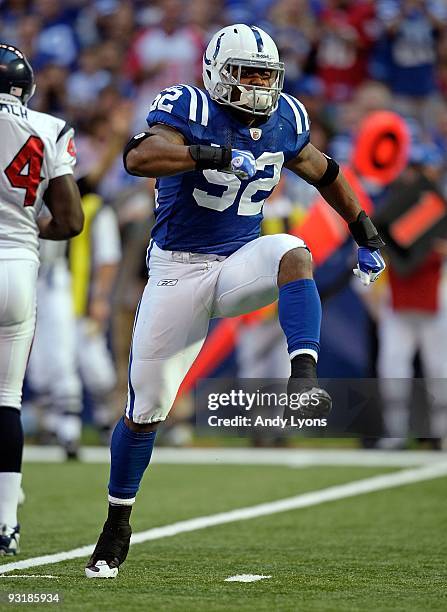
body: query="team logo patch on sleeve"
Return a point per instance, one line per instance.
(71, 148)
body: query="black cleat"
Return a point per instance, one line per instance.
(9, 540)
(310, 403)
(110, 551)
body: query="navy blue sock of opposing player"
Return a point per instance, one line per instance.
(11, 449)
(299, 312)
(130, 455)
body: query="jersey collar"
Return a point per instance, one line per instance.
(9, 99)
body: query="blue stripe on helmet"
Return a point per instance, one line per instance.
(216, 51)
(218, 45)
(258, 37)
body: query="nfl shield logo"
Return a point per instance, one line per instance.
(256, 133)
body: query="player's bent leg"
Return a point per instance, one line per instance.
(299, 312)
(254, 276)
(248, 279)
(162, 332)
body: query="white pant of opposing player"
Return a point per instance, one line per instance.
(184, 291)
(17, 320)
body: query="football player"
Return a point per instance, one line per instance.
(36, 166)
(217, 155)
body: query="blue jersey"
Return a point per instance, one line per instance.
(210, 211)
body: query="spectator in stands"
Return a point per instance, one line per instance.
(57, 42)
(441, 71)
(370, 96)
(164, 55)
(414, 319)
(103, 139)
(347, 36)
(405, 57)
(115, 21)
(293, 25)
(28, 29)
(51, 93)
(84, 85)
(12, 14)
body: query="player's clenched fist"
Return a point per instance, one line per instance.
(234, 161)
(243, 164)
(370, 261)
(370, 265)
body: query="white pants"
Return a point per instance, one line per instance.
(52, 366)
(17, 320)
(401, 335)
(184, 291)
(94, 359)
(66, 349)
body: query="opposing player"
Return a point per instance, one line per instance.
(36, 165)
(218, 155)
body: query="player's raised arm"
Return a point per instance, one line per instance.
(170, 145)
(161, 151)
(325, 174)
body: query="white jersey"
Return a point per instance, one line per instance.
(35, 148)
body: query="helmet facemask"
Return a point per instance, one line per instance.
(253, 99)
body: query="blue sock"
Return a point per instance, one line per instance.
(299, 312)
(130, 455)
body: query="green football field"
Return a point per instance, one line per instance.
(384, 550)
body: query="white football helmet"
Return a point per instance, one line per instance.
(232, 49)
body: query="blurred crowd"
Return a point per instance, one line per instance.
(99, 64)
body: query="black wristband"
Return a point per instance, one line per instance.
(207, 157)
(331, 173)
(134, 142)
(364, 232)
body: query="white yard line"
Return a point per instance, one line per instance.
(314, 498)
(29, 576)
(298, 458)
(246, 578)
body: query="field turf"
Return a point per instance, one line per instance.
(379, 551)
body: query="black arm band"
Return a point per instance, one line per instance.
(134, 142)
(329, 176)
(364, 232)
(207, 157)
